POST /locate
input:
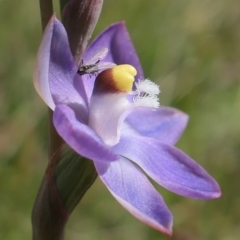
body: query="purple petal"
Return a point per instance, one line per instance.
(40, 78)
(120, 50)
(134, 192)
(56, 69)
(169, 167)
(70, 126)
(164, 124)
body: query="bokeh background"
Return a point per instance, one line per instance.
(192, 49)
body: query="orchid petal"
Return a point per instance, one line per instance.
(41, 72)
(169, 167)
(134, 192)
(55, 68)
(120, 48)
(63, 69)
(120, 51)
(70, 126)
(164, 124)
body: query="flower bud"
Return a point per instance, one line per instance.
(79, 18)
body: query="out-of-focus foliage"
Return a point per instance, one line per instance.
(192, 49)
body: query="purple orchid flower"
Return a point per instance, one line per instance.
(125, 143)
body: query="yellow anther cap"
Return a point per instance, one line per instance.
(117, 79)
(123, 77)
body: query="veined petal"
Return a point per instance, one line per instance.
(169, 167)
(134, 192)
(63, 69)
(120, 51)
(55, 68)
(71, 127)
(164, 124)
(41, 72)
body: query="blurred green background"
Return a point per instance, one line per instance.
(192, 49)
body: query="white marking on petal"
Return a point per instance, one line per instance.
(106, 111)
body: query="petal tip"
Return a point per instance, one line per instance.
(165, 230)
(52, 20)
(118, 24)
(217, 193)
(181, 114)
